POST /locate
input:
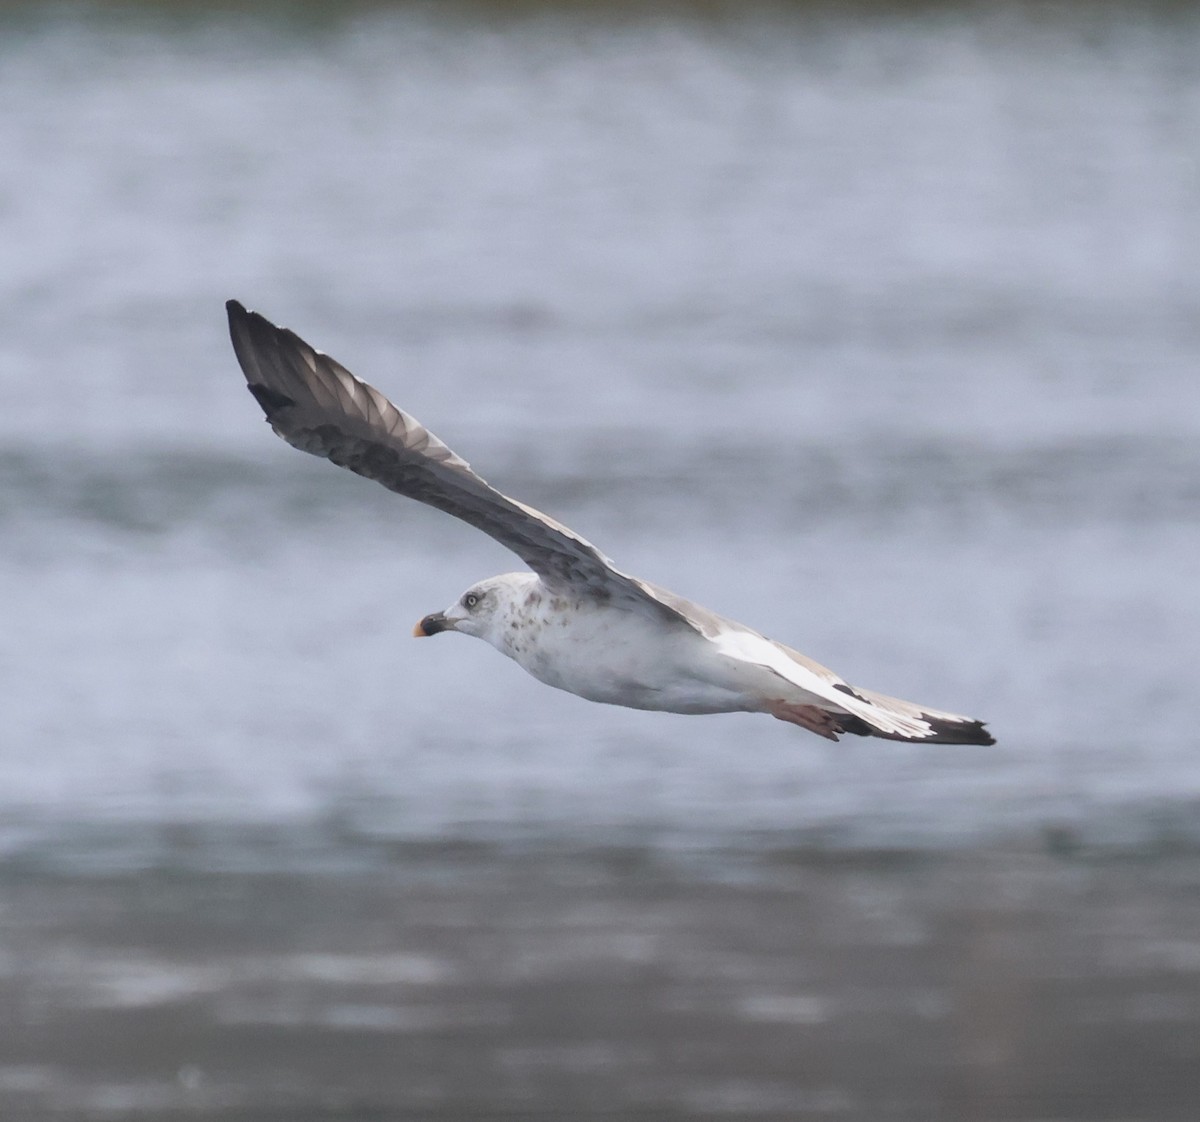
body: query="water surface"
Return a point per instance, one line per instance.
(875, 331)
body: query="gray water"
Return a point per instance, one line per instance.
(873, 326)
(877, 332)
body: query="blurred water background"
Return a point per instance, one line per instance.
(872, 325)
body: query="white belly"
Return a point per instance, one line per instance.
(625, 658)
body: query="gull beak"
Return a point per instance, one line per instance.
(431, 625)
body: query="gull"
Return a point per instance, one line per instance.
(575, 621)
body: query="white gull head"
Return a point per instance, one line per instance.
(490, 609)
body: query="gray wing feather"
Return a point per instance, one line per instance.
(318, 406)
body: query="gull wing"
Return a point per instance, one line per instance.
(866, 712)
(869, 713)
(318, 406)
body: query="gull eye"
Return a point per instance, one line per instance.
(470, 600)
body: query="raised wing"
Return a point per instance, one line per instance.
(318, 406)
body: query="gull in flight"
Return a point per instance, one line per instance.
(576, 621)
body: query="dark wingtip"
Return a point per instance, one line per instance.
(941, 731)
(236, 312)
(959, 732)
(242, 319)
(981, 735)
(255, 340)
(270, 400)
